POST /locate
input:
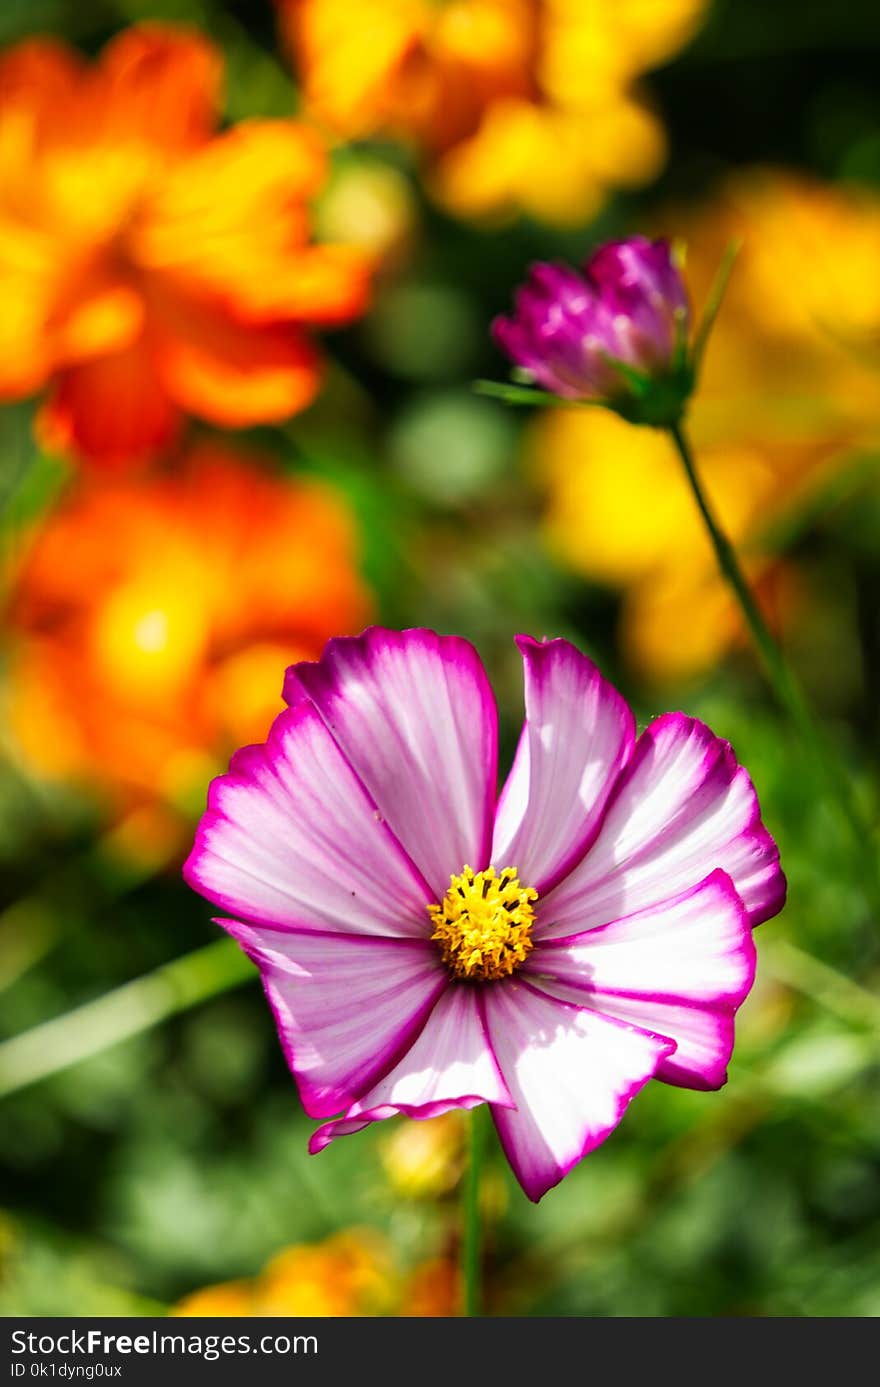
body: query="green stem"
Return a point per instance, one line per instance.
(471, 1243)
(787, 689)
(781, 676)
(126, 1011)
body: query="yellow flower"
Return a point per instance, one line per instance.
(423, 1160)
(789, 388)
(519, 105)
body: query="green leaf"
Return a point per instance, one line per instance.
(713, 303)
(527, 395)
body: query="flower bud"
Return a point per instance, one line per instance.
(615, 334)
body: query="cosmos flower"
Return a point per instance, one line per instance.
(425, 945)
(151, 265)
(572, 333)
(147, 626)
(515, 105)
(787, 392)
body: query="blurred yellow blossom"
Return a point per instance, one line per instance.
(229, 1298)
(784, 396)
(423, 1160)
(349, 1274)
(519, 105)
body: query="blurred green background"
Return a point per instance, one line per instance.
(176, 1158)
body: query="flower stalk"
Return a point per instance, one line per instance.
(780, 674)
(784, 682)
(472, 1231)
(615, 335)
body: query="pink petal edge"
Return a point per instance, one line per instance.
(699, 958)
(681, 807)
(291, 838)
(451, 1064)
(347, 1007)
(569, 1095)
(415, 715)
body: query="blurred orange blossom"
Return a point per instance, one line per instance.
(349, 1274)
(151, 266)
(433, 1290)
(520, 105)
(153, 618)
(788, 390)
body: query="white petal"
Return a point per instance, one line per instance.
(414, 714)
(345, 1005)
(450, 1065)
(578, 735)
(679, 969)
(291, 838)
(571, 1073)
(682, 807)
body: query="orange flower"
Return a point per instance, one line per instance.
(433, 1290)
(789, 390)
(349, 1274)
(151, 267)
(521, 105)
(154, 616)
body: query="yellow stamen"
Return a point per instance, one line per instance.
(484, 925)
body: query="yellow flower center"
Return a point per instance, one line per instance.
(484, 925)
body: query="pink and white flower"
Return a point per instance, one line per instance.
(425, 944)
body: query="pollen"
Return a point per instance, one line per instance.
(484, 925)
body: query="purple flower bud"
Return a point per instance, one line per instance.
(569, 329)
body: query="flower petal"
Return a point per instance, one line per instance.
(292, 839)
(682, 807)
(578, 735)
(112, 411)
(451, 1065)
(95, 315)
(325, 284)
(346, 1006)
(679, 969)
(231, 225)
(231, 373)
(571, 1073)
(40, 76)
(415, 716)
(160, 84)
